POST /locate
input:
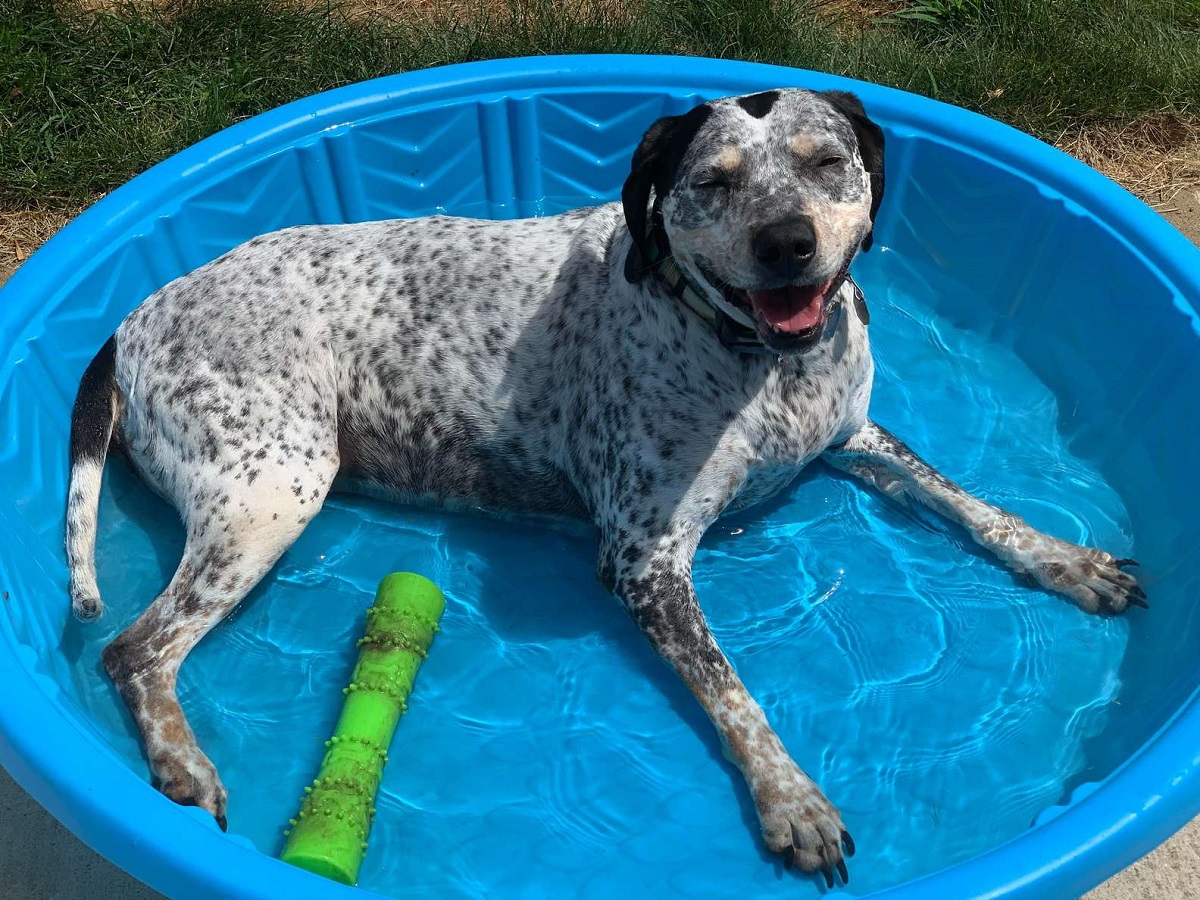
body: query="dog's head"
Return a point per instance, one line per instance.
(764, 199)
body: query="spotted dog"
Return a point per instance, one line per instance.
(645, 365)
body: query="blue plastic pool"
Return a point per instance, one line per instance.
(1035, 340)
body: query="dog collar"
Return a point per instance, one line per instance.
(734, 329)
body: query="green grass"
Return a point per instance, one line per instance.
(86, 102)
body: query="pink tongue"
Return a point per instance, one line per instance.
(791, 309)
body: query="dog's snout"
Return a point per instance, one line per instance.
(785, 247)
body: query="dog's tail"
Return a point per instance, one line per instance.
(92, 422)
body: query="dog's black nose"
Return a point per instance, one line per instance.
(786, 247)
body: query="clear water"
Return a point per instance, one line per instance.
(938, 702)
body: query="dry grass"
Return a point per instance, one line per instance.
(393, 10)
(24, 229)
(107, 6)
(355, 9)
(854, 14)
(1154, 157)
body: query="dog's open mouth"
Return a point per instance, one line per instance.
(793, 314)
(797, 310)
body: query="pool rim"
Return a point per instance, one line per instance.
(180, 852)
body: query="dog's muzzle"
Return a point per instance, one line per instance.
(791, 317)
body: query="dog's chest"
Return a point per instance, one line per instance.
(806, 404)
(798, 414)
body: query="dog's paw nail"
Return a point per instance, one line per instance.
(1136, 600)
(841, 867)
(848, 842)
(1127, 562)
(828, 873)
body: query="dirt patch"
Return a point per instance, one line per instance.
(1184, 214)
(1170, 871)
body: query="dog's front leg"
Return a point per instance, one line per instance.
(1093, 579)
(652, 576)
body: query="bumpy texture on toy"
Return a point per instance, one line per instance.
(329, 835)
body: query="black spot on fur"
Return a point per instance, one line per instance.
(758, 105)
(655, 163)
(92, 417)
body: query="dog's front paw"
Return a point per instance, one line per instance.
(1096, 581)
(802, 826)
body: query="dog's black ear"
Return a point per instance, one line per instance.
(870, 147)
(654, 164)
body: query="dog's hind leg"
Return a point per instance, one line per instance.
(1093, 579)
(235, 533)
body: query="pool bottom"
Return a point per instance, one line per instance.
(939, 703)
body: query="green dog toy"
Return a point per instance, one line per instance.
(329, 835)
